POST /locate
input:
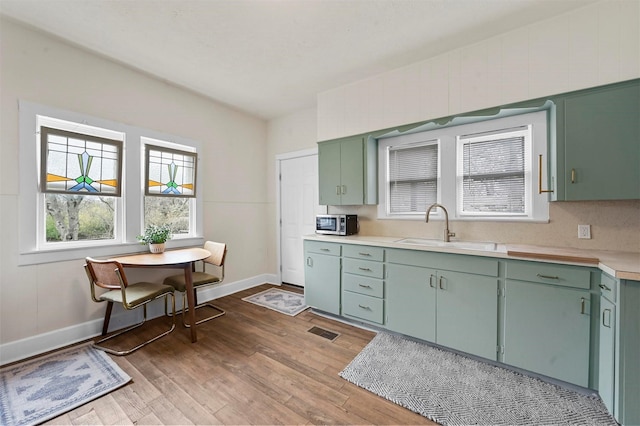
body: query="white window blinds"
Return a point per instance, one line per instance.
(493, 173)
(413, 177)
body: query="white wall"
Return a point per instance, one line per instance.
(49, 298)
(595, 45)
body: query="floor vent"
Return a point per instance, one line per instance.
(323, 333)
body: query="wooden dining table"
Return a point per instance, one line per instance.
(179, 258)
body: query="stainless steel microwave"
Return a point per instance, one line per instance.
(337, 224)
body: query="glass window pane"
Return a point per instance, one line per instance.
(79, 217)
(413, 178)
(170, 172)
(493, 175)
(76, 163)
(172, 211)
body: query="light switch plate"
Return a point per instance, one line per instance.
(584, 232)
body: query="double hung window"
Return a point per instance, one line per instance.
(478, 170)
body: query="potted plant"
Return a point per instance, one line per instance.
(155, 236)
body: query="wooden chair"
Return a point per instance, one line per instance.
(201, 279)
(109, 275)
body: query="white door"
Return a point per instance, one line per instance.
(298, 208)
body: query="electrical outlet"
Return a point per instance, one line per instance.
(584, 232)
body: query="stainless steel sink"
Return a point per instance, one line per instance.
(465, 245)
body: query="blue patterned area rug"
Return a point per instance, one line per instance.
(42, 388)
(452, 389)
(285, 302)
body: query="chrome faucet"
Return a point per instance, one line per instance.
(447, 234)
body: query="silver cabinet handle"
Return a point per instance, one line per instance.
(364, 285)
(604, 287)
(344, 189)
(364, 269)
(582, 304)
(549, 277)
(608, 316)
(573, 175)
(431, 281)
(324, 249)
(440, 283)
(365, 307)
(309, 261)
(337, 189)
(364, 254)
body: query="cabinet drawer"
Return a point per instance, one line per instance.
(363, 306)
(549, 273)
(608, 287)
(367, 268)
(363, 285)
(322, 247)
(444, 261)
(363, 252)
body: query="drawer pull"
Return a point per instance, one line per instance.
(549, 277)
(365, 307)
(582, 304)
(324, 249)
(604, 287)
(364, 254)
(364, 285)
(608, 323)
(364, 269)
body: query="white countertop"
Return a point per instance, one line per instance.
(623, 265)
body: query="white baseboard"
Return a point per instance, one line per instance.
(35, 345)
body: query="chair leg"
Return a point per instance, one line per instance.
(144, 319)
(107, 317)
(220, 311)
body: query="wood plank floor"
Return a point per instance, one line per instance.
(250, 366)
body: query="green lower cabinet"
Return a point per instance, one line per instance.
(467, 313)
(411, 301)
(453, 309)
(619, 361)
(322, 282)
(547, 330)
(606, 371)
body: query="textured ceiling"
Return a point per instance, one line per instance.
(270, 58)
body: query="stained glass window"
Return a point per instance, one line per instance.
(170, 172)
(76, 163)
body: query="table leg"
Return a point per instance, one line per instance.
(188, 279)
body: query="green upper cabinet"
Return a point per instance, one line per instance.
(598, 143)
(347, 171)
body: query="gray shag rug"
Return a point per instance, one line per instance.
(452, 389)
(42, 388)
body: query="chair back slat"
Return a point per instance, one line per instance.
(218, 252)
(107, 274)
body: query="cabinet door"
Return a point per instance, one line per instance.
(602, 144)
(467, 314)
(352, 171)
(606, 379)
(547, 330)
(411, 301)
(329, 173)
(322, 282)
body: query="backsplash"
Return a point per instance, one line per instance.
(615, 225)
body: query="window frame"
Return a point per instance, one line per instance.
(461, 141)
(541, 125)
(31, 209)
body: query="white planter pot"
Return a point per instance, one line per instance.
(156, 248)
